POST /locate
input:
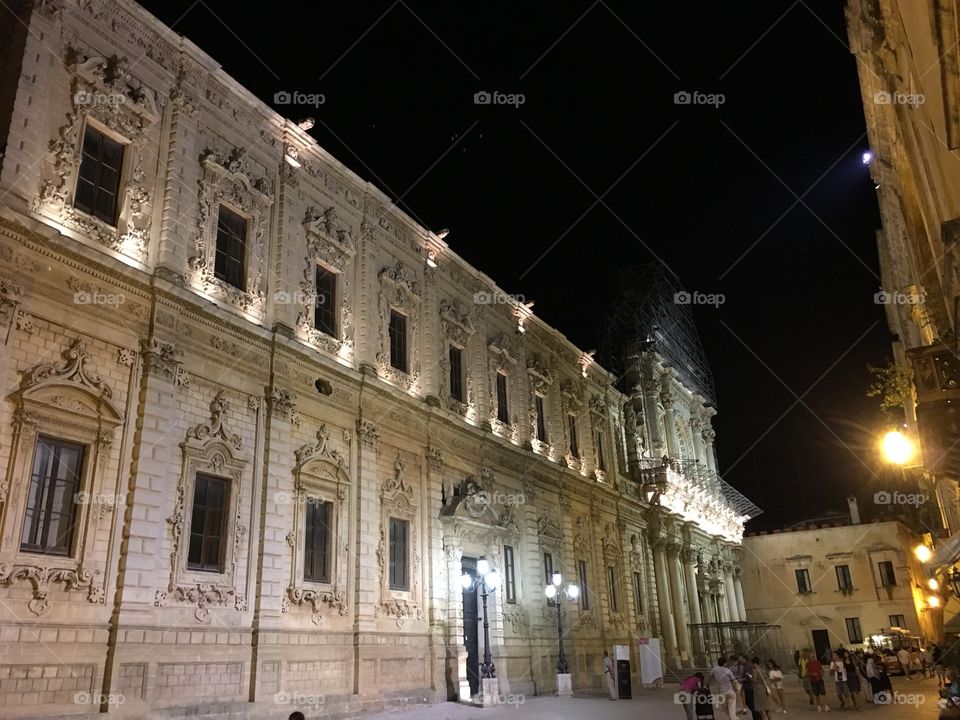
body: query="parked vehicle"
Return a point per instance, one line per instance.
(889, 642)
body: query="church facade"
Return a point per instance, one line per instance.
(257, 423)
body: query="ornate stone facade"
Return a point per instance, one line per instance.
(125, 340)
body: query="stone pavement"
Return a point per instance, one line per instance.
(919, 702)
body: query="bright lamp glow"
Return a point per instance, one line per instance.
(466, 581)
(866, 157)
(897, 447)
(573, 592)
(550, 592)
(933, 584)
(933, 601)
(923, 553)
(483, 566)
(492, 579)
(557, 579)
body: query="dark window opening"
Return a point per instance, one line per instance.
(584, 585)
(503, 411)
(888, 577)
(803, 581)
(509, 574)
(98, 181)
(541, 420)
(398, 341)
(231, 254)
(49, 522)
(456, 373)
(574, 442)
(325, 306)
(316, 558)
(207, 524)
(399, 534)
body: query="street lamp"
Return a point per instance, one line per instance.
(897, 448)
(553, 592)
(488, 580)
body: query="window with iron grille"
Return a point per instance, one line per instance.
(503, 411)
(49, 524)
(208, 519)
(398, 341)
(456, 373)
(316, 557)
(399, 534)
(325, 306)
(98, 181)
(231, 253)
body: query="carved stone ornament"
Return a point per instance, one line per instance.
(399, 291)
(104, 95)
(502, 356)
(226, 181)
(320, 450)
(41, 578)
(317, 599)
(165, 359)
(398, 500)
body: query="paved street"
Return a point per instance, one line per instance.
(658, 704)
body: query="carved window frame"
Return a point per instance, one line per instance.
(226, 182)
(320, 473)
(104, 96)
(400, 292)
(571, 393)
(209, 449)
(68, 402)
(398, 500)
(540, 381)
(502, 359)
(457, 329)
(330, 244)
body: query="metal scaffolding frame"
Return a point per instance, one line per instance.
(649, 314)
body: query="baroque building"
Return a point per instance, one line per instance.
(257, 423)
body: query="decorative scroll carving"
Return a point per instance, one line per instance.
(166, 360)
(203, 597)
(219, 408)
(317, 599)
(41, 578)
(368, 434)
(320, 450)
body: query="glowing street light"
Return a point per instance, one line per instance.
(553, 592)
(488, 580)
(923, 553)
(933, 584)
(897, 448)
(933, 601)
(866, 158)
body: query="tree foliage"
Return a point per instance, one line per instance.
(893, 385)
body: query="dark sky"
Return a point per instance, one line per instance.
(711, 192)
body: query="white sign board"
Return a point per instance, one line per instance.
(621, 652)
(651, 668)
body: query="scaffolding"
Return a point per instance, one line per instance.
(649, 313)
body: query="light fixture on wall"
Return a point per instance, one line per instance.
(487, 580)
(554, 592)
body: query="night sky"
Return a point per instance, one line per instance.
(763, 199)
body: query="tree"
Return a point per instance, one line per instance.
(894, 386)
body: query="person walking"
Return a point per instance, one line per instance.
(853, 677)
(609, 671)
(748, 685)
(775, 674)
(839, 673)
(690, 688)
(815, 673)
(725, 684)
(761, 691)
(903, 657)
(804, 678)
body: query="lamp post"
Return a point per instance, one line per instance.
(553, 592)
(487, 580)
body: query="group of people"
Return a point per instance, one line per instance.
(739, 684)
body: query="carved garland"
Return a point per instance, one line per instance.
(227, 181)
(331, 243)
(105, 94)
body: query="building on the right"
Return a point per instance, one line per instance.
(837, 582)
(908, 59)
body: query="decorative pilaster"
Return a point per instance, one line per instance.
(668, 397)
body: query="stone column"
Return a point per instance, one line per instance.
(668, 630)
(651, 396)
(693, 591)
(676, 596)
(668, 397)
(456, 650)
(730, 593)
(738, 592)
(699, 450)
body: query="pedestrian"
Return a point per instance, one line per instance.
(609, 670)
(761, 691)
(815, 673)
(852, 679)
(903, 657)
(873, 676)
(747, 685)
(884, 695)
(726, 685)
(939, 668)
(839, 673)
(690, 688)
(776, 684)
(804, 678)
(927, 661)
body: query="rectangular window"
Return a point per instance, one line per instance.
(49, 523)
(503, 411)
(601, 461)
(887, 577)
(231, 254)
(509, 575)
(98, 181)
(898, 621)
(541, 419)
(316, 557)
(325, 306)
(399, 534)
(548, 572)
(456, 373)
(638, 592)
(572, 429)
(584, 585)
(803, 581)
(207, 524)
(853, 630)
(398, 341)
(612, 584)
(844, 580)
